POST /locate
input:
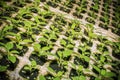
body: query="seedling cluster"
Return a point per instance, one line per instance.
(59, 40)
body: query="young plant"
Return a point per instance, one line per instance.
(3, 68)
(31, 67)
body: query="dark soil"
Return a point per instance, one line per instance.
(64, 9)
(90, 20)
(103, 26)
(4, 76)
(78, 15)
(52, 4)
(26, 16)
(39, 59)
(48, 77)
(79, 61)
(116, 54)
(34, 10)
(31, 75)
(73, 73)
(5, 62)
(55, 66)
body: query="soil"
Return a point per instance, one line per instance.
(35, 31)
(103, 26)
(70, 5)
(39, 59)
(34, 10)
(89, 43)
(107, 11)
(22, 51)
(52, 4)
(6, 13)
(59, 20)
(79, 61)
(43, 43)
(64, 9)
(48, 77)
(14, 9)
(43, 0)
(26, 16)
(55, 66)
(5, 62)
(5, 40)
(84, 40)
(96, 11)
(102, 19)
(105, 14)
(97, 56)
(78, 15)
(25, 36)
(116, 55)
(14, 30)
(18, 4)
(4, 76)
(73, 73)
(92, 78)
(93, 15)
(30, 75)
(90, 20)
(28, 1)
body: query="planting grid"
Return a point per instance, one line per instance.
(56, 43)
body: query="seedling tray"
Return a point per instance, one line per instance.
(59, 40)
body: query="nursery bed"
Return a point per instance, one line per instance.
(59, 40)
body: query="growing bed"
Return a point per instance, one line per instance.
(59, 40)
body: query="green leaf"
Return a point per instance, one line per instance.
(82, 78)
(3, 68)
(33, 63)
(103, 72)
(59, 53)
(51, 70)
(96, 68)
(73, 25)
(75, 78)
(11, 33)
(80, 67)
(67, 53)
(36, 47)
(110, 74)
(19, 47)
(102, 58)
(63, 42)
(7, 28)
(27, 40)
(57, 78)
(14, 51)
(69, 46)
(27, 67)
(86, 58)
(79, 78)
(42, 39)
(97, 79)
(60, 73)
(12, 58)
(73, 65)
(45, 48)
(9, 45)
(41, 77)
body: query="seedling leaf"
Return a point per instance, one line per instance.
(67, 53)
(12, 58)
(41, 77)
(3, 68)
